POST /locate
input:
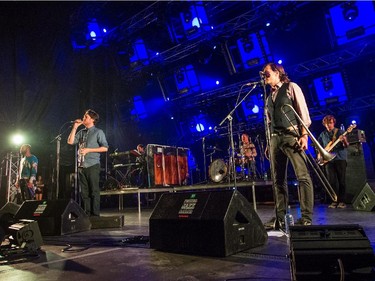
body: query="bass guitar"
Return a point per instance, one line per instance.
(331, 145)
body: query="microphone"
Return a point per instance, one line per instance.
(264, 74)
(253, 83)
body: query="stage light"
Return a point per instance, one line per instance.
(330, 89)
(217, 82)
(17, 139)
(327, 83)
(199, 127)
(93, 35)
(180, 77)
(268, 24)
(353, 122)
(187, 17)
(350, 11)
(248, 45)
(104, 30)
(196, 22)
(280, 61)
(255, 109)
(210, 128)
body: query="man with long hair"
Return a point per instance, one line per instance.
(288, 139)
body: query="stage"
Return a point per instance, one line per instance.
(124, 253)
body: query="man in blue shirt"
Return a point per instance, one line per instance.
(27, 173)
(92, 142)
(336, 168)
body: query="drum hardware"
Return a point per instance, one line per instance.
(217, 170)
(214, 148)
(229, 117)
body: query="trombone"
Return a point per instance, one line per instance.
(325, 155)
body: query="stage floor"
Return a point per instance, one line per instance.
(107, 254)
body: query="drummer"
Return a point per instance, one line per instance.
(248, 154)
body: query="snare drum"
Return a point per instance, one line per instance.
(217, 170)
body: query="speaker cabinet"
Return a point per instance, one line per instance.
(7, 213)
(327, 251)
(26, 234)
(55, 217)
(209, 223)
(365, 199)
(359, 169)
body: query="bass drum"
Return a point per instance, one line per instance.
(217, 170)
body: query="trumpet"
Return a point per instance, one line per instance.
(324, 154)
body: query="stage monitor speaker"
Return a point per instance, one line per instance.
(365, 199)
(7, 213)
(26, 234)
(55, 217)
(325, 252)
(209, 223)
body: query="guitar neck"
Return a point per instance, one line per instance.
(337, 141)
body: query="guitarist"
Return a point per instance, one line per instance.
(336, 168)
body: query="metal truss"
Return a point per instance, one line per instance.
(358, 104)
(12, 161)
(348, 54)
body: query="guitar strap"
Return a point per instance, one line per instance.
(335, 130)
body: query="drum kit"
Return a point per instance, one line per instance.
(220, 169)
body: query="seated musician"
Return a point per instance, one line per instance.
(248, 152)
(141, 160)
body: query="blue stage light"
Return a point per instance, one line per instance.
(217, 82)
(280, 61)
(199, 127)
(93, 35)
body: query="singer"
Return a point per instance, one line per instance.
(92, 142)
(287, 142)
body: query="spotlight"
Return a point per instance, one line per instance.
(349, 11)
(327, 83)
(93, 35)
(199, 127)
(17, 139)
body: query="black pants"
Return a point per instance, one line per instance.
(284, 148)
(336, 175)
(90, 191)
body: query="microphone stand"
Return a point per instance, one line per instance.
(58, 148)
(230, 119)
(268, 141)
(204, 155)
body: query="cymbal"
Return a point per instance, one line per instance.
(214, 148)
(135, 153)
